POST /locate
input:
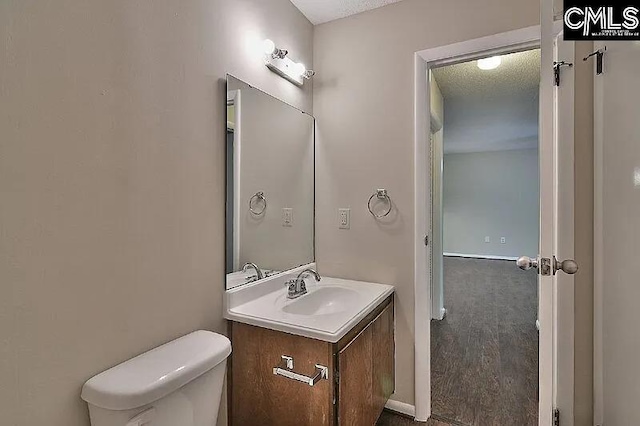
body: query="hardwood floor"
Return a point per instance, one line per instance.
(484, 354)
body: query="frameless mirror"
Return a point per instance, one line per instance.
(270, 185)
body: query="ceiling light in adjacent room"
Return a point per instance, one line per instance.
(489, 63)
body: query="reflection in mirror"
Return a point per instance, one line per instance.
(270, 185)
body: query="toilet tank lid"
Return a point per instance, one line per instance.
(157, 373)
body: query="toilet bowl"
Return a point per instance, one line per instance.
(176, 384)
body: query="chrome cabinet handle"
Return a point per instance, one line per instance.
(285, 369)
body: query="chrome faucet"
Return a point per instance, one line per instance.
(249, 265)
(297, 287)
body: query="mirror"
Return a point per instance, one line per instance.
(270, 185)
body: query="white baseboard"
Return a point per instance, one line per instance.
(401, 407)
(480, 256)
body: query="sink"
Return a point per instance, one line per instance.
(323, 301)
(327, 312)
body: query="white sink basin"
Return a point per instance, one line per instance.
(323, 301)
(327, 312)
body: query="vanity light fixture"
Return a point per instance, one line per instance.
(277, 61)
(489, 63)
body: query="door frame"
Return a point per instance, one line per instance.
(508, 42)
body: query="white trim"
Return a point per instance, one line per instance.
(401, 407)
(422, 217)
(480, 256)
(511, 41)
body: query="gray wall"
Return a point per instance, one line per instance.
(112, 180)
(496, 123)
(364, 104)
(492, 194)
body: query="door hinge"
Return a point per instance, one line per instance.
(556, 417)
(426, 240)
(556, 70)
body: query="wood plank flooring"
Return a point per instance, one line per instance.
(484, 354)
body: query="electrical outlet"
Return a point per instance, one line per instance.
(287, 217)
(344, 218)
(487, 239)
(503, 240)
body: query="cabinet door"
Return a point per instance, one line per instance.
(383, 359)
(366, 372)
(258, 397)
(356, 381)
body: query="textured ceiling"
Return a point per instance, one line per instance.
(519, 73)
(492, 110)
(321, 11)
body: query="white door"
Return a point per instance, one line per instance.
(617, 233)
(554, 263)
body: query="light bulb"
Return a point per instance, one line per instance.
(300, 69)
(269, 47)
(489, 63)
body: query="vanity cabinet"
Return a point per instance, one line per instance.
(359, 381)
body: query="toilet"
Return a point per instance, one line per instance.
(176, 384)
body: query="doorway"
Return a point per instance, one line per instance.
(485, 214)
(552, 305)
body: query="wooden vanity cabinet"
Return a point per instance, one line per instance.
(361, 375)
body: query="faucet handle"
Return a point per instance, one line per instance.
(291, 286)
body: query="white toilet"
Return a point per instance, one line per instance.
(176, 384)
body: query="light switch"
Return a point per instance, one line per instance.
(287, 217)
(487, 239)
(344, 218)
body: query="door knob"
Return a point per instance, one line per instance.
(569, 266)
(525, 263)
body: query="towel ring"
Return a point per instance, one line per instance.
(258, 196)
(380, 194)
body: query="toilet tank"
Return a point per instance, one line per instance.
(176, 384)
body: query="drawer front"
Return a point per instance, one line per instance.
(258, 397)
